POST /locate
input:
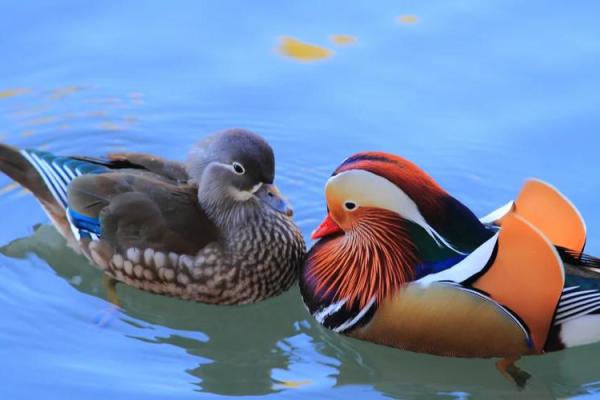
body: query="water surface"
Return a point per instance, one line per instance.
(481, 94)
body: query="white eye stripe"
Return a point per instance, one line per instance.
(240, 195)
(222, 165)
(363, 185)
(230, 167)
(238, 168)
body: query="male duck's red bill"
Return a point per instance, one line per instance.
(326, 228)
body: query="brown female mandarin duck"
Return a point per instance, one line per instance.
(402, 263)
(214, 229)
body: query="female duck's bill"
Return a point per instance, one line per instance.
(271, 195)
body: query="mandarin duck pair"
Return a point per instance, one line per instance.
(398, 261)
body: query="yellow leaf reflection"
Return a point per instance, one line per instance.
(291, 384)
(342, 40)
(5, 94)
(97, 114)
(59, 93)
(42, 120)
(407, 19)
(302, 51)
(111, 126)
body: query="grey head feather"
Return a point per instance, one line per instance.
(228, 167)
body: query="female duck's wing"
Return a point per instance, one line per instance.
(127, 210)
(542, 205)
(128, 199)
(49, 176)
(168, 169)
(149, 234)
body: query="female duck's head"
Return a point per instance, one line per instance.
(235, 170)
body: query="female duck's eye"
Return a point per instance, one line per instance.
(238, 168)
(350, 205)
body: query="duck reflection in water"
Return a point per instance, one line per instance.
(242, 354)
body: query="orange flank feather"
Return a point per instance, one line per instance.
(513, 280)
(373, 259)
(551, 212)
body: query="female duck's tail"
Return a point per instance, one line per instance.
(14, 164)
(47, 176)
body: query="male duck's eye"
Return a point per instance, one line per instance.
(238, 168)
(350, 205)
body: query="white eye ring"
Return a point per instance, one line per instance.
(238, 168)
(350, 205)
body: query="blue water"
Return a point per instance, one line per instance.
(480, 94)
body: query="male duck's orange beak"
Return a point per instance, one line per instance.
(326, 228)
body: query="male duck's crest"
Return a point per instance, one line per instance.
(400, 186)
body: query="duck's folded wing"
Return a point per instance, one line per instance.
(170, 170)
(129, 210)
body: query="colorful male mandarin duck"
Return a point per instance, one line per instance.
(402, 263)
(214, 229)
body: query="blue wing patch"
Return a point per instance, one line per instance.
(83, 226)
(58, 172)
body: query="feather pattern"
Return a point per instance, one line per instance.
(575, 302)
(453, 224)
(419, 186)
(373, 265)
(58, 172)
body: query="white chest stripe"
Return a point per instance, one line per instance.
(327, 311)
(350, 323)
(466, 268)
